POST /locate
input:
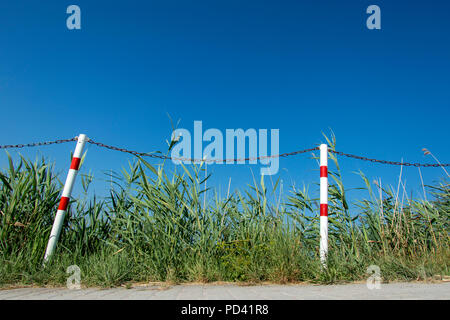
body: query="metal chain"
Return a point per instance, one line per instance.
(36, 144)
(136, 153)
(164, 157)
(396, 163)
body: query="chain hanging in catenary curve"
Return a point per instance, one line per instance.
(164, 157)
(36, 144)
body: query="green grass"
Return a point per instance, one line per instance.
(156, 226)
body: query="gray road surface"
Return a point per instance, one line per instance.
(234, 292)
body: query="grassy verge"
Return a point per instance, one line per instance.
(155, 226)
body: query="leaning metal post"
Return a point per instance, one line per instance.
(70, 180)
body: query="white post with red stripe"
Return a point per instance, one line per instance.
(67, 191)
(323, 203)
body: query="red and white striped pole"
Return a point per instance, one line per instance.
(323, 204)
(67, 191)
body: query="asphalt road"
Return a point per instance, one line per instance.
(389, 291)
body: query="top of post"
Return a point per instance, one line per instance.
(323, 155)
(82, 137)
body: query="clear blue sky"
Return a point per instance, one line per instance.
(300, 66)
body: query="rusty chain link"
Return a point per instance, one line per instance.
(164, 157)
